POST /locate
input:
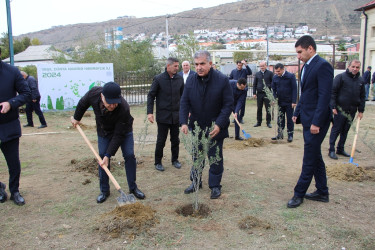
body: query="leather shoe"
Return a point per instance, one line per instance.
(295, 202)
(290, 138)
(3, 193)
(343, 153)
(241, 122)
(159, 167)
(257, 125)
(138, 193)
(28, 125)
(102, 197)
(317, 197)
(239, 138)
(215, 193)
(17, 199)
(278, 137)
(43, 126)
(332, 155)
(269, 125)
(191, 189)
(176, 164)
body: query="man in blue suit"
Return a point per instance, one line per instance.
(186, 71)
(314, 112)
(208, 97)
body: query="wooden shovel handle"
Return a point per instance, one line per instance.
(235, 118)
(117, 186)
(355, 138)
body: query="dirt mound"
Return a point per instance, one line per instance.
(252, 142)
(187, 210)
(350, 172)
(128, 220)
(88, 165)
(251, 223)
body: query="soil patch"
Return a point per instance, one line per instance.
(251, 142)
(350, 172)
(251, 223)
(128, 220)
(188, 210)
(88, 165)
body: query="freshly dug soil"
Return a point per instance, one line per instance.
(251, 142)
(188, 210)
(350, 172)
(88, 165)
(250, 223)
(128, 220)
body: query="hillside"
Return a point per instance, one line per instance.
(329, 17)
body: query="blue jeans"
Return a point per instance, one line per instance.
(367, 88)
(127, 148)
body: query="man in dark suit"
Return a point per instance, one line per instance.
(14, 92)
(208, 97)
(314, 112)
(186, 71)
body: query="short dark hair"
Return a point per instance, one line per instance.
(369, 67)
(242, 81)
(279, 66)
(305, 42)
(238, 62)
(172, 60)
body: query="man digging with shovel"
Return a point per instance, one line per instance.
(114, 126)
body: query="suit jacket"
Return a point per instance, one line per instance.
(208, 100)
(191, 72)
(314, 104)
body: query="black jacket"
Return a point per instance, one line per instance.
(33, 85)
(285, 88)
(168, 92)
(115, 124)
(348, 92)
(258, 81)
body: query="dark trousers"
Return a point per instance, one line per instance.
(241, 113)
(341, 126)
(127, 148)
(288, 110)
(34, 106)
(10, 150)
(215, 172)
(313, 164)
(236, 130)
(163, 129)
(262, 99)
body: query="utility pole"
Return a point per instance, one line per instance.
(10, 35)
(267, 44)
(166, 28)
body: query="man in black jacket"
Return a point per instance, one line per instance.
(167, 88)
(11, 83)
(348, 97)
(262, 80)
(34, 105)
(367, 78)
(114, 126)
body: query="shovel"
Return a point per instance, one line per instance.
(354, 143)
(123, 199)
(246, 135)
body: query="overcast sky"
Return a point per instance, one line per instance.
(35, 15)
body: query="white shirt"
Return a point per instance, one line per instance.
(185, 76)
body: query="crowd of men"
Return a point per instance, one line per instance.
(205, 98)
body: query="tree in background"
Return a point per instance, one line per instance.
(186, 47)
(31, 70)
(18, 45)
(243, 55)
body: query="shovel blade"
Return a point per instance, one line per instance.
(246, 135)
(125, 199)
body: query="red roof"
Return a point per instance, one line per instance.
(367, 6)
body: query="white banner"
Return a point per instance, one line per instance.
(62, 85)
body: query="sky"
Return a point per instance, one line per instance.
(35, 15)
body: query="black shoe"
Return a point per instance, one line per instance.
(28, 125)
(342, 152)
(191, 189)
(176, 164)
(278, 137)
(269, 125)
(17, 199)
(239, 138)
(159, 167)
(366, 100)
(102, 197)
(215, 193)
(290, 138)
(43, 126)
(241, 122)
(332, 155)
(295, 202)
(138, 193)
(3, 193)
(317, 197)
(257, 125)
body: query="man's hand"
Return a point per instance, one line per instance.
(74, 122)
(244, 62)
(215, 131)
(314, 129)
(255, 96)
(360, 115)
(293, 105)
(34, 100)
(235, 115)
(334, 111)
(294, 119)
(104, 162)
(5, 107)
(150, 118)
(184, 129)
